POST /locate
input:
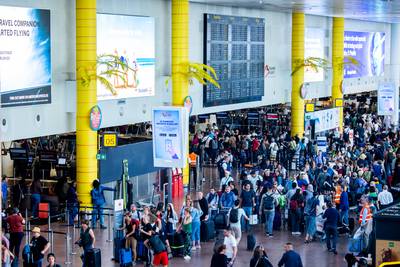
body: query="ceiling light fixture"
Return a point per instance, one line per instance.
(261, 2)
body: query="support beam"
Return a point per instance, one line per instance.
(337, 64)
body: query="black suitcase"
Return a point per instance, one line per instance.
(93, 258)
(221, 221)
(207, 231)
(219, 240)
(177, 244)
(352, 224)
(251, 242)
(277, 220)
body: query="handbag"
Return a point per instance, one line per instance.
(253, 220)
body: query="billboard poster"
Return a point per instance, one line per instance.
(25, 56)
(170, 137)
(314, 45)
(132, 40)
(326, 119)
(368, 48)
(386, 99)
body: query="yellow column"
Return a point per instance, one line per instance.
(180, 57)
(86, 139)
(298, 77)
(337, 63)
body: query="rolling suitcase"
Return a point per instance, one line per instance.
(251, 242)
(125, 257)
(119, 243)
(177, 244)
(44, 210)
(140, 250)
(207, 231)
(93, 258)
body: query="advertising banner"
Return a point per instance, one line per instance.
(25, 56)
(386, 99)
(132, 40)
(170, 137)
(322, 143)
(368, 48)
(314, 44)
(324, 119)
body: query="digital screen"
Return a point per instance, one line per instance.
(25, 56)
(62, 161)
(170, 128)
(18, 153)
(234, 47)
(131, 39)
(368, 48)
(386, 99)
(314, 45)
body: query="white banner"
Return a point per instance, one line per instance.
(326, 119)
(386, 99)
(170, 137)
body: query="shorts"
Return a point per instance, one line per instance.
(160, 258)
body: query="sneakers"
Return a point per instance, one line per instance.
(198, 247)
(193, 248)
(103, 227)
(187, 258)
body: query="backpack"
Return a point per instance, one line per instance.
(293, 205)
(268, 202)
(234, 215)
(27, 254)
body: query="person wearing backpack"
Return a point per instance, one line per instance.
(268, 204)
(310, 212)
(235, 215)
(295, 205)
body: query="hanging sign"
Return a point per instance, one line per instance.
(95, 118)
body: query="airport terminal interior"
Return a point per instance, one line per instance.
(200, 133)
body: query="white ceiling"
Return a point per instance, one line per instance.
(371, 10)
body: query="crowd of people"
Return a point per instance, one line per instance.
(266, 176)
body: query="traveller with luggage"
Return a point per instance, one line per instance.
(86, 241)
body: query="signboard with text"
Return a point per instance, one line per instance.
(326, 119)
(25, 56)
(386, 99)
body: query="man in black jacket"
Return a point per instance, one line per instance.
(203, 206)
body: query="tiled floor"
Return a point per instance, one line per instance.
(314, 254)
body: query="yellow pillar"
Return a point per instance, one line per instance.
(180, 57)
(298, 77)
(337, 63)
(86, 139)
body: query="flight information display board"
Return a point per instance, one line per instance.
(234, 47)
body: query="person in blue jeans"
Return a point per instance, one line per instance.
(267, 205)
(248, 202)
(196, 214)
(332, 216)
(36, 191)
(98, 202)
(72, 203)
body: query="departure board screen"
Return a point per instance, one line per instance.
(234, 47)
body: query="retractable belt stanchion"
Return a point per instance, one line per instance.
(68, 247)
(27, 227)
(109, 228)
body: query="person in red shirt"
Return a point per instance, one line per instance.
(16, 223)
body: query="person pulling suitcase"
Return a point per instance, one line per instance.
(86, 241)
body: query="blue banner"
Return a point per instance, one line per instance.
(368, 48)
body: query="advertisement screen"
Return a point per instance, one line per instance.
(368, 48)
(314, 44)
(131, 39)
(386, 99)
(25, 56)
(170, 131)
